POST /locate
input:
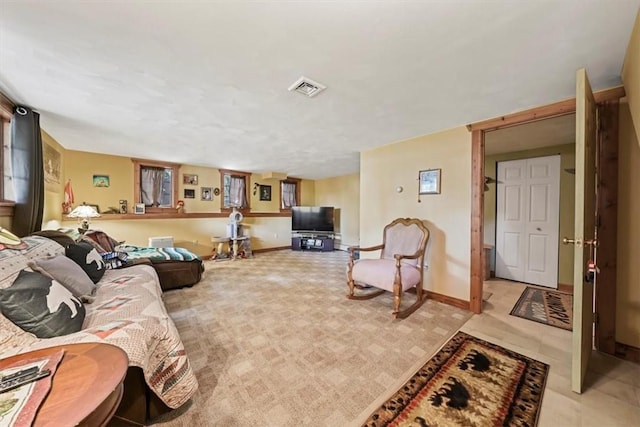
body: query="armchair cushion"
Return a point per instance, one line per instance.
(402, 239)
(381, 273)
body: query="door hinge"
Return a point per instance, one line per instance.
(595, 318)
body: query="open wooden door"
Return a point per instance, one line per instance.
(585, 211)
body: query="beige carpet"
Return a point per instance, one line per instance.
(274, 342)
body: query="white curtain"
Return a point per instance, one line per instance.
(237, 193)
(289, 194)
(151, 185)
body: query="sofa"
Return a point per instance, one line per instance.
(125, 310)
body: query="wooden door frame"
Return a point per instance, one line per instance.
(608, 127)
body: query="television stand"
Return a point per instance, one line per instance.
(312, 242)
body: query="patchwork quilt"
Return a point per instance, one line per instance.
(127, 312)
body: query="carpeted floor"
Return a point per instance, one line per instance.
(469, 382)
(274, 342)
(550, 307)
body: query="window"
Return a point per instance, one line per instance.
(234, 189)
(289, 194)
(155, 184)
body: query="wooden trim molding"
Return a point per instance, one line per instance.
(477, 221)
(607, 226)
(560, 108)
(6, 209)
(6, 107)
(566, 288)
(627, 352)
(445, 299)
(175, 214)
(277, 248)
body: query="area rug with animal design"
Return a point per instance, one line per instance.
(552, 308)
(469, 382)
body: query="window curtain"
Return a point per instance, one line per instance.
(237, 193)
(151, 185)
(28, 172)
(289, 195)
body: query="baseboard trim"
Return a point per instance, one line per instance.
(627, 352)
(277, 248)
(445, 299)
(563, 287)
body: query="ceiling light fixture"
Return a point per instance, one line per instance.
(306, 86)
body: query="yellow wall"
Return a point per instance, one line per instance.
(54, 194)
(631, 75)
(80, 166)
(628, 289)
(447, 215)
(192, 233)
(343, 193)
(567, 197)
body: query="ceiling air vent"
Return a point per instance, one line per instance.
(307, 87)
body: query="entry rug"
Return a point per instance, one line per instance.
(469, 382)
(549, 307)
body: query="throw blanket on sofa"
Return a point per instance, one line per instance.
(127, 312)
(179, 254)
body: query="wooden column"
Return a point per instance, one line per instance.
(607, 225)
(477, 220)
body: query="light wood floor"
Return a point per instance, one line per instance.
(613, 394)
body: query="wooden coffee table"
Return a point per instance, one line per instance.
(87, 387)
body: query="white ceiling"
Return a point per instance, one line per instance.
(205, 83)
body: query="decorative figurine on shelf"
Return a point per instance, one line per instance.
(180, 206)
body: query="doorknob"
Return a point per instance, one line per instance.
(592, 242)
(577, 242)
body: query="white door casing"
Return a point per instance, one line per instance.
(527, 220)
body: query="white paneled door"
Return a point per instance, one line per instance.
(527, 220)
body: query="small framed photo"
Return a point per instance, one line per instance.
(138, 208)
(429, 181)
(265, 192)
(206, 193)
(188, 179)
(100, 180)
(189, 193)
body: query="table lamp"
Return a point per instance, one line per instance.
(85, 212)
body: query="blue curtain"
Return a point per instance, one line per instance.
(28, 171)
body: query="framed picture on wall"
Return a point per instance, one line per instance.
(189, 193)
(206, 193)
(265, 192)
(429, 181)
(189, 179)
(101, 180)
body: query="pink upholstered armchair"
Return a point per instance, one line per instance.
(399, 268)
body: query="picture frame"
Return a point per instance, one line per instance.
(101, 181)
(189, 179)
(265, 193)
(139, 209)
(206, 193)
(189, 193)
(429, 181)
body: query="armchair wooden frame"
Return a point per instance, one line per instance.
(421, 296)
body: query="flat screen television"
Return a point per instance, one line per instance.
(312, 219)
